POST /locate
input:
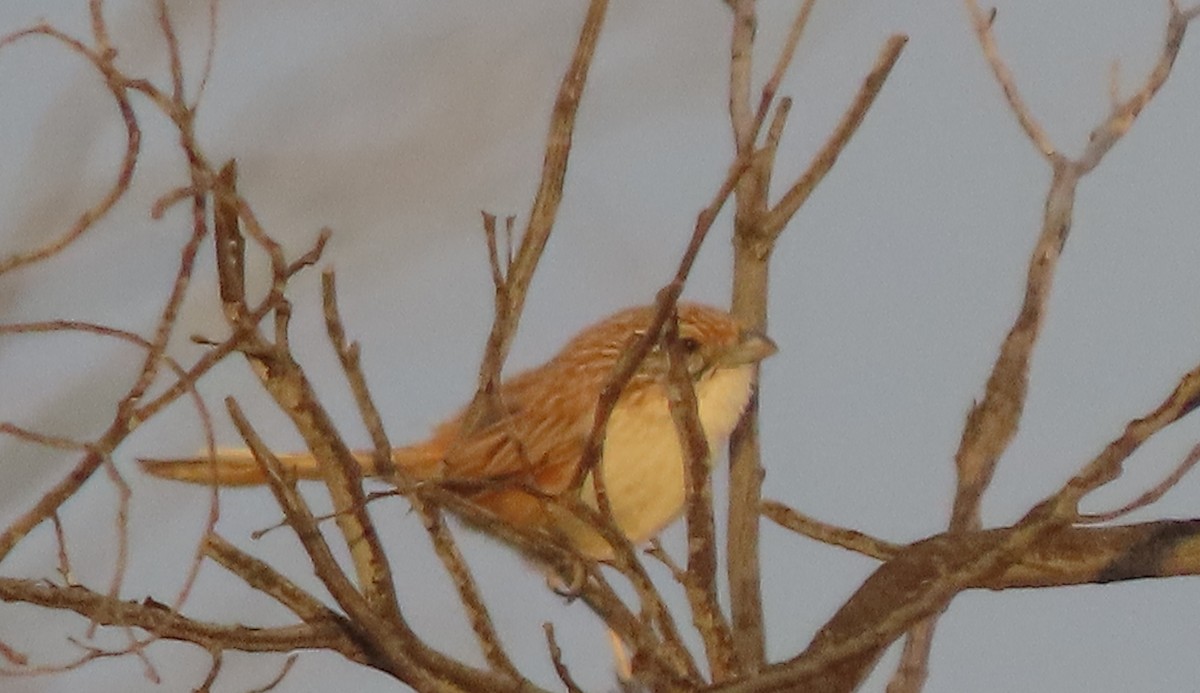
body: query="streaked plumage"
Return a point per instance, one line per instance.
(550, 408)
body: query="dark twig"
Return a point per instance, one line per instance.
(392, 639)
(214, 670)
(443, 541)
(283, 672)
(485, 408)
(259, 575)
(992, 422)
(1150, 496)
(778, 217)
(102, 60)
(756, 227)
(1063, 506)
(560, 668)
(174, 626)
(842, 537)
(700, 581)
(64, 560)
(983, 24)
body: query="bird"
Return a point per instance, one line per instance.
(533, 450)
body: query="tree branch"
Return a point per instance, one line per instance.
(164, 623)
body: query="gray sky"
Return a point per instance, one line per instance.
(395, 123)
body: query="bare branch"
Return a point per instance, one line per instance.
(259, 575)
(299, 516)
(741, 52)
(926, 574)
(983, 24)
(1103, 137)
(209, 52)
(913, 669)
(126, 422)
(285, 381)
(666, 659)
(781, 64)
(992, 423)
(1150, 496)
(564, 674)
(165, 623)
(396, 648)
(484, 408)
(214, 670)
(43, 439)
(64, 560)
(700, 579)
(168, 31)
(842, 537)
(270, 685)
(756, 227)
(778, 217)
(447, 550)
(1108, 465)
(102, 60)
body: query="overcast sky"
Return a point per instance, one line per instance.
(395, 123)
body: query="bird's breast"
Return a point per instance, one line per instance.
(642, 461)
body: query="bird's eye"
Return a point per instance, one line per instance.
(690, 344)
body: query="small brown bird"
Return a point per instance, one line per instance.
(539, 443)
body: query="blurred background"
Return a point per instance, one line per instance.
(396, 123)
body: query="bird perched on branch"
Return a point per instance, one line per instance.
(532, 453)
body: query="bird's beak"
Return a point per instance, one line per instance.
(752, 346)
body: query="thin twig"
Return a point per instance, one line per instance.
(209, 52)
(669, 653)
(176, 60)
(1150, 496)
(43, 439)
(777, 218)
(842, 537)
(102, 60)
(983, 25)
(992, 423)
(121, 522)
(392, 637)
(283, 671)
(174, 626)
(782, 63)
(12, 656)
(124, 424)
(913, 670)
(756, 228)
(64, 560)
(260, 576)
(1108, 465)
(483, 408)
(1103, 137)
(700, 582)
(741, 53)
(456, 566)
(564, 674)
(185, 383)
(214, 670)
(284, 379)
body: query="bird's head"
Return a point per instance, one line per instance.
(711, 339)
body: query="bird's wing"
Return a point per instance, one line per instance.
(537, 443)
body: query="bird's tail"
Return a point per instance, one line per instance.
(237, 467)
